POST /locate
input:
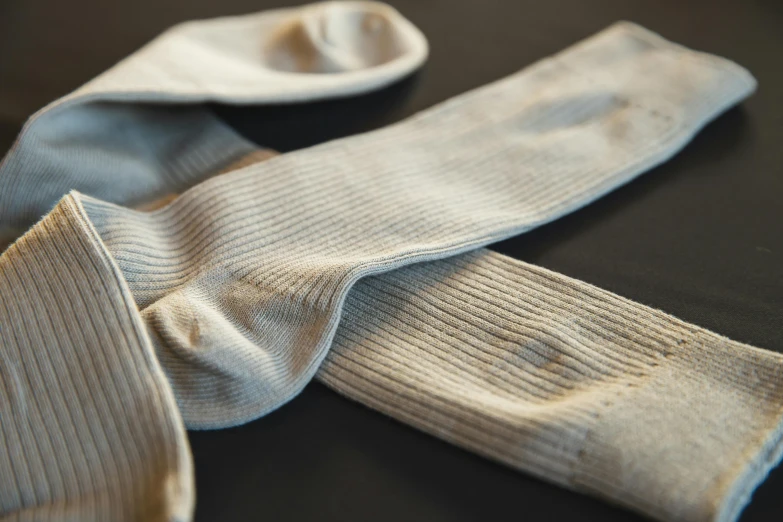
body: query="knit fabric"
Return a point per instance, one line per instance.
(90, 430)
(242, 278)
(565, 381)
(356, 262)
(107, 140)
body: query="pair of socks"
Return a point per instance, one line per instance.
(357, 262)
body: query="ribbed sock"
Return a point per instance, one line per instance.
(242, 281)
(89, 428)
(242, 278)
(565, 381)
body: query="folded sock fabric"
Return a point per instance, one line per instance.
(358, 262)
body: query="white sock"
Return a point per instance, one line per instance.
(242, 278)
(239, 331)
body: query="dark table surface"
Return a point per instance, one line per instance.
(700, 237)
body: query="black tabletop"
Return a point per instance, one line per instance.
(700, 237)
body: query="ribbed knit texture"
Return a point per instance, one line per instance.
(242, 278)
(89, 428)
(563, 380)
(237, 289)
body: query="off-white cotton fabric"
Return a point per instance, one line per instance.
(127, 314)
